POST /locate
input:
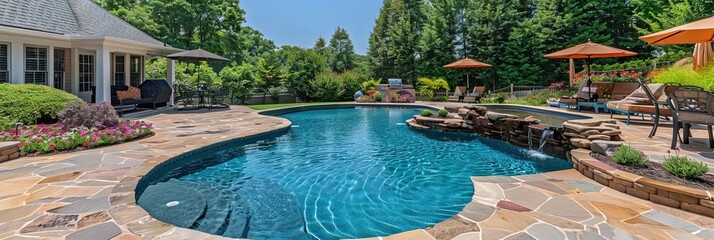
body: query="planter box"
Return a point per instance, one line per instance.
(677, 196)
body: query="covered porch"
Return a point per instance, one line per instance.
(84, 66)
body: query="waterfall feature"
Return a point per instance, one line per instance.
(547, 133)
(530, 138)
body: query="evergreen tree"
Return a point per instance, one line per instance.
(531, 40)
(342, 57)
(393, 45)
(321, 46)
(438, 44)
(489, 24)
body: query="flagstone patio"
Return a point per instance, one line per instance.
(89, 194)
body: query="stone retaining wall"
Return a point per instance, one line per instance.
(676, 196)
(9, 151)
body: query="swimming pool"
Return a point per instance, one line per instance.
(337, 173)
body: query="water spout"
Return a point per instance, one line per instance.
(530, 138)
(547, 133)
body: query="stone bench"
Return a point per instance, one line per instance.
(9, 151)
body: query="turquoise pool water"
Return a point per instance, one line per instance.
(338, 173)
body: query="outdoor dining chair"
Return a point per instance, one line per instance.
(691, 106)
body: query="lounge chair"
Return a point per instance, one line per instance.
(459, 93)
(648, 99)
(475, 95)
(582, 95)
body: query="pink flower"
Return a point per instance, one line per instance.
(677, 148)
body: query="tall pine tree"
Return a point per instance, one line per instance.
(439, 41)
(342, 57)
(395, 38)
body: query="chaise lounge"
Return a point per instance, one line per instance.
(459, 93)
(475, 95)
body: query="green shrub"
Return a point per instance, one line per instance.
(442, 113)
(627, 155)
(370, 84)
(328, 87)
(426, 113)
(428, 86)
(31, 103)
(683, 167)
(378, 97)
(443, 99)
(686, 76)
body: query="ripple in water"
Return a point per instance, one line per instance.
(355, 173)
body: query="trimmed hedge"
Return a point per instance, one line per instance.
(30, 103)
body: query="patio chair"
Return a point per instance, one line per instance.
(691, 106)
(648, 99)
(186, 97)
(217, 97)
(601, 89)
(458, 94)
(475, 95)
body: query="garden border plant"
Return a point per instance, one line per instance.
(81, 126)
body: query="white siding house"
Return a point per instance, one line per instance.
(73, 45)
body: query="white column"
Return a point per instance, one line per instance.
(127, 68)
(103, 75)
(74, 65)
(51, 66)
(17, 68)
(171, 78)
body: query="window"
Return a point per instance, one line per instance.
(135, 71)
(59, 69)
(36, 65)
(4, 73)
(86, 72)
(119, 70)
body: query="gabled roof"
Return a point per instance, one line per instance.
(68, 17)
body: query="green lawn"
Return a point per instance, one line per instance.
(279, 105)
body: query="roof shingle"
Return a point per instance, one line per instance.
(68, 17)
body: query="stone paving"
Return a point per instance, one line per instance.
(90, 194)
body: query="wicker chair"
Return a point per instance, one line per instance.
(691, 106)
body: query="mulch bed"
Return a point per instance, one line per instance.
(655, 171)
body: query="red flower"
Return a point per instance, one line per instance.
(52, 146)
(85, 144)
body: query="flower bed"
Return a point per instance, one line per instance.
(48, 138)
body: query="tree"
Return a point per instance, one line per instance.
(342, 51)
(248, 43)
(240, 80)
(489, 25)
(438, 44)
(270, 76)
(394, 39)
(301, 66)
(321, 47)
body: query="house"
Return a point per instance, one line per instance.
(73, 45)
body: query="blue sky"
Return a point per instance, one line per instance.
(301, 22)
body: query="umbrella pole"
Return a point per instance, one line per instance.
(468, 83)
(587, 62)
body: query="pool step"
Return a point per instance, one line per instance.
(217, 207)
(173, 203)
(274, 212)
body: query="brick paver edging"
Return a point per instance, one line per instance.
(676, 196)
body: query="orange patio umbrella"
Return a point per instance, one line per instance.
(695, 32)
(467, 63)
(700, 33)
(588, 51)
